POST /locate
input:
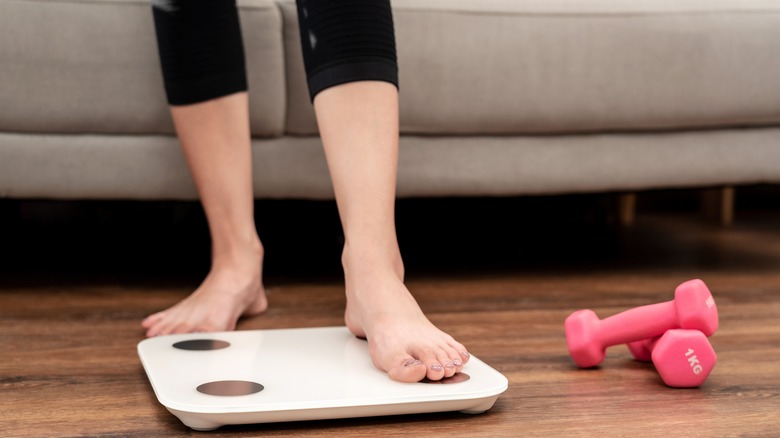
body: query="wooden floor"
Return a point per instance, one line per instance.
(69, 365)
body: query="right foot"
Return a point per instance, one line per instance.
(401, 340)
(232, 289)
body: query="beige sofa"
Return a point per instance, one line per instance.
(498, 97)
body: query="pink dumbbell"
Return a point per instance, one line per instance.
(641, 350)
(588, 337)
(683, 358)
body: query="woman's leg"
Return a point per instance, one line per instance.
(349, 52)
(359, 128)
(215, 138)
(203, 66)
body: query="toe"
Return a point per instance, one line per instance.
(435, 371)
(434, 367)
(407, 369)
(448, 366)
(164, 327)
(461, 351)
(151, 320)
(156, 327)
(458, 363)
(155, 330)
(451, 360)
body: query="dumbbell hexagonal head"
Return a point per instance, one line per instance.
(695, 307)
(683, 358)
(582, 338)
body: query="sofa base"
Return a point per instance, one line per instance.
(152, 167)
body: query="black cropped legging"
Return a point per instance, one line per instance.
(202, 54)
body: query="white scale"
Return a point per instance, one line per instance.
(210, 380)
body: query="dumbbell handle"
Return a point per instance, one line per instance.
(637, 324)
(651, 343)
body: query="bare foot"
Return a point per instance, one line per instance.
(401, 340)
(232, 289)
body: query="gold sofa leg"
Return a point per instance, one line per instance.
(627, 209)
(718, 205)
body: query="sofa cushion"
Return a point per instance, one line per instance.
(559, 66)
(91, 66)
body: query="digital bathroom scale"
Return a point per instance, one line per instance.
(210, 380)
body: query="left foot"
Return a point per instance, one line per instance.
(232, 289)
(401, 340)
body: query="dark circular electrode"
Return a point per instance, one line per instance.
(201, 344)
(456, 378)
(230, 388)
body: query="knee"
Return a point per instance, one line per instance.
(346, 41)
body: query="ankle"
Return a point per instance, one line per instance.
(237, 253)
(372, 258)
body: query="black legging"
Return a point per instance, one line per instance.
(202, 54)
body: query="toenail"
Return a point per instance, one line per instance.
(465, 353)
(449, 365)
(436, 367)
(457, 362)
(411, 362)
